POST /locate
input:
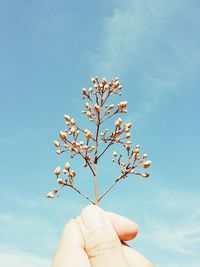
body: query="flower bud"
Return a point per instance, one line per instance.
(106, 87)
(118, 122)
(84, 91)
(93, 80)
(57, 171)
(72, 130)
(116, 84)
(90, 89)
(56, 143)
(67, 166)
(114, 154)
(74, 144)
(136, 150)
(60, 181)
(128, 135)
(88, 113)
(146, 164)
(50, 195)
(104, 81)
(87, 106)
(67, 117)
(145, 156)
(97, 108)
(58, 151)
(72, 121)
(111, 106)
(145, 175)
(89, 135)
(63, 135)
(72, 174)
(122, 104)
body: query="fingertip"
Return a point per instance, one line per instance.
(125, 228)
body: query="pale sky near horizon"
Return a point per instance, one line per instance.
(49, 50)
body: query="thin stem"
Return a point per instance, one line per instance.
(88, 163)
(110, 116)
(114, 183)
(78, 191)
(109, 188)
(105, 149)
(96, 186)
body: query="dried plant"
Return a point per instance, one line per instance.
(96, 144)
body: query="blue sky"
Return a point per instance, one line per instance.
(49, 51)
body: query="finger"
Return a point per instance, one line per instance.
(124, 227)
(102, 244)
(135, 259)
(70, 252)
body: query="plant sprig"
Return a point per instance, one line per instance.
(98, 111)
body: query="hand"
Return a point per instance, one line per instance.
(97, 238)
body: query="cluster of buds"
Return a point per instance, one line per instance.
(133, 162)
(97, 110)
(66, 180)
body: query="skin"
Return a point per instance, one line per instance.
(97, 239)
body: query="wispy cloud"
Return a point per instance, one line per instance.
(145, 42)
(10, 257)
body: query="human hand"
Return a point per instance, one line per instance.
(97, 239)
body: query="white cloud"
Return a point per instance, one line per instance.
(154, 43)
(18, 258)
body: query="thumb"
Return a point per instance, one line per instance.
(102, 244)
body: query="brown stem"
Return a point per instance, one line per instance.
(105, 149)
(109, 188)
(110, 116)
(114, 183)
(78, 191)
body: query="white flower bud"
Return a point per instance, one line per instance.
(67, 166)
(111, 106)
(104, 81)
(118, 122)
(60, 181)
(72, 121)
(97, 108)
(87, 106)
(88, 113)
(72, 130)
(89, 135)
(67, 117)
(146, 164)
(145, 175)
(56, 143)
(114, 154)
(50, 195)
(72, 174)
(63, 135)
(74, 144)
(57, 171)
(84, 91)
(93, 80)
(128, 135)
